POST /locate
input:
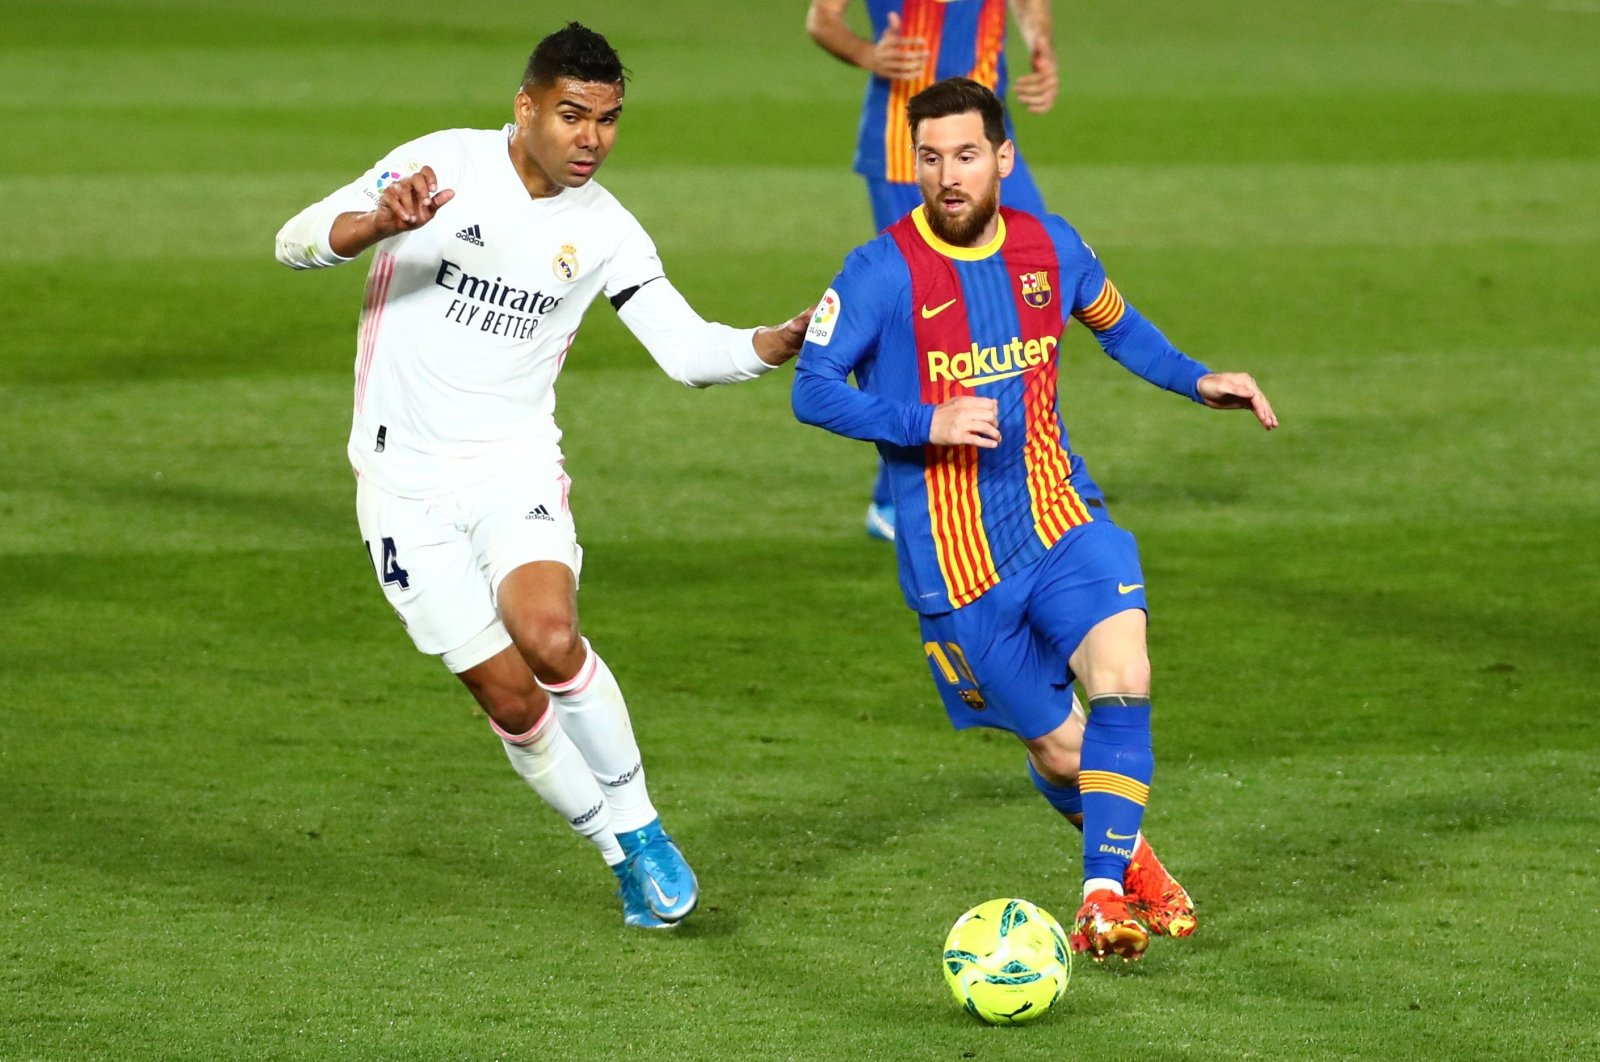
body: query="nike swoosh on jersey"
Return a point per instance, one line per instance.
(937, 310)
(1124, 588)
(1122, 836)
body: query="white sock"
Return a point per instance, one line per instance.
(593, 712)
(1096, 884)
(549, 762)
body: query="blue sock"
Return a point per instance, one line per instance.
(880, 486)
(1117, 765)
(1064, 798)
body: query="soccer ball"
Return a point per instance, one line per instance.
(1007, 961)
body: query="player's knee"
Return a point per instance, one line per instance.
(1130, 676)
(1134, 676)
(549, 640)
(1058, 764)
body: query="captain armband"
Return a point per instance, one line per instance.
(1105, 311)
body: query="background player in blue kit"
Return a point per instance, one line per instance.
(914, 44)
(951, 322)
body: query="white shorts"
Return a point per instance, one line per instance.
(440, 560)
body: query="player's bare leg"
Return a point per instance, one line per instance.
(1053, 764)
(538, 604)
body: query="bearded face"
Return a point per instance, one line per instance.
(959, 172)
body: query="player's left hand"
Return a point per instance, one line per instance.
(1036, 90)
(1237, 390)
(779, 343)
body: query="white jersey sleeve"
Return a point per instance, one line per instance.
(302, 243)
(690, 349)
(693, 351)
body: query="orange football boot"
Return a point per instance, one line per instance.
(1164, 904)
(1108, 924)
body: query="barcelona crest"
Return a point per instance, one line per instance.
(1035, 288)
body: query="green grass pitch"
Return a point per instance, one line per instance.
(241, 818)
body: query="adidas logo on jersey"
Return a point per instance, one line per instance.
(472, 235)
(540, 513)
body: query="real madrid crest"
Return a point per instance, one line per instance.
(1035, 288)
(566, 263)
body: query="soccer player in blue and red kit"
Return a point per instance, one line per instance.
(951, 322)
(914, 44)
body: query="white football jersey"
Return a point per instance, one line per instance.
(467, 320)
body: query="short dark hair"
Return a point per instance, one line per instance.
(574, 51)
(959, 95)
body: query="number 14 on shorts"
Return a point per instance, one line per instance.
(388, 568)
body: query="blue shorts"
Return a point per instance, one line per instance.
(892, 201)
(1002, 660)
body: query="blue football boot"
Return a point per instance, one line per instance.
(659, 872)
(634, 912)
(880, 521)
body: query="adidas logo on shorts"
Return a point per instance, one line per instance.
(471, 234)
(540, 513)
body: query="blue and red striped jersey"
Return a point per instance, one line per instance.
(966, 38)
(919, 321)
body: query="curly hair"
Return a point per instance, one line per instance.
(574, 51)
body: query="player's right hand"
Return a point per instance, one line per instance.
(1036, 90)
(966, 420)
(898, 58)
(410, 203)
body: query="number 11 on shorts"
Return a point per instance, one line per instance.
(952, 664)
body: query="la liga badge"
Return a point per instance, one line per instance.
(820, 331)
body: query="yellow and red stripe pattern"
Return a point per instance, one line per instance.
(925, 19)
(950, 473)
(1113, 784)
(956, 511)
(1105, 311)
(1056, 505)
(990, 44)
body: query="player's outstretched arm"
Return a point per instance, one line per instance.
(779, 343)
(892, 56)
(406, 204)
(1036, 90)
(1236, 390)
(696, 352)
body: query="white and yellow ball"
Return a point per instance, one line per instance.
(1006, 961)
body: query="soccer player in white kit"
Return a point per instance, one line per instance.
(491, 244)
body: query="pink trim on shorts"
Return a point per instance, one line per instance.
(579, 683)
(371, 317)
(533, 732)
(566, 485)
